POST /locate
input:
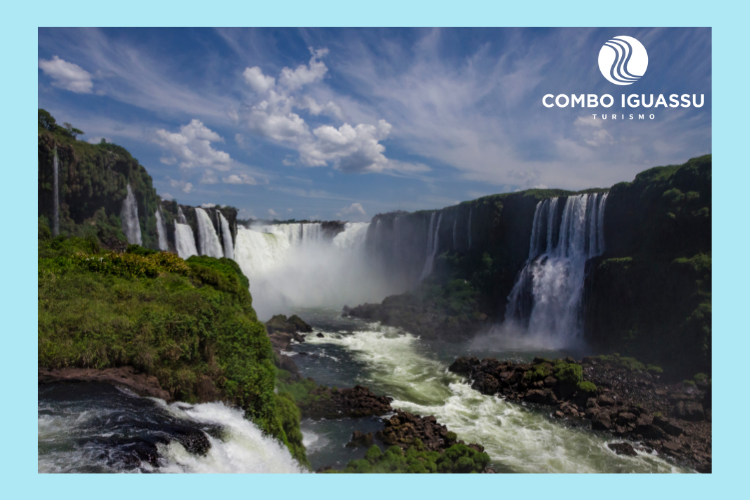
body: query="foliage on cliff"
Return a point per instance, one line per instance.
(649, 295)
(93, 181)
(189, 323)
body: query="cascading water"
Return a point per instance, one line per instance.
(546, 299)
(161, 230)
(129, 218)
(55, 197)
(226, 235)
(432, 245)
(184, 240)
(181, 216)
(207, 237)
(298, 265)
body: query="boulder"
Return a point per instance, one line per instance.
(541, 396)
(670, 426)
(689, 410)
(464, 365)
(606, 400)
(360, 439)
(601, 421)
(622, 449)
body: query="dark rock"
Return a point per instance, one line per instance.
(463, 365)
(355, 402)
(486, 384)
(540, 396)
(320, 335)
(606, 400)
(622, 449)
(360, 439)
(651, 431)
(550, 382)
(601, 421)
(324, 468)
(689, 410)
(126, 376)
(670, 426)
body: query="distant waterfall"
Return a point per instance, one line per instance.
(546, 298)
(55, 197)
(432, 245)
(226, 235)
(181, 216)
(161, 230)
(455, 245)
(184, 240)
(129, 219)
(207, 238)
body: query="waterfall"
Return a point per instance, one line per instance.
(184, 240)
(226, 234)
(546, 298)
(55, 197)
(181, 216)
(129, 219)
(207, 238)
(297, 265)
(454, 234)
(432, 245)
(161, 230)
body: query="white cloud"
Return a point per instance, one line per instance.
(289, 210)
(593, 131)
(258, 81)
(166, 196)
(353, 209)
(330, 109)
(185, 187)
(272, 213)
(191, 147)
(208, 205)
(67, 75)
(209, 177)
(305, 74)
(352, 149)
(239, 179)
(246, 214)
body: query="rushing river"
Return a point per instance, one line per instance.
(518, 438)
(95, 427)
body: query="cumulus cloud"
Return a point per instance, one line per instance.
(272, 213)
(66, 75)
(191, 147)
(209, 177)
(593, 131)
(258, 81)
(166, 196)
(239, 179)
(353, 209)
(183, 186)
(305, 74)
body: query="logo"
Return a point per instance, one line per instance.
(623, 60)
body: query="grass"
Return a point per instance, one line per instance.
(185, 322)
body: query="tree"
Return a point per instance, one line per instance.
(47, 121)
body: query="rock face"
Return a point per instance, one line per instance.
(609, 393)
(126, 376)
(340, 403)
(404, 428)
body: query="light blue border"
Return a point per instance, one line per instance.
(18, 40)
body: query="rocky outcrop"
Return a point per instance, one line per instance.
(404, 428)
(356, 402)
(126, 376)
(610, 394)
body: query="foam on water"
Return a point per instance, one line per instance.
(520, 438)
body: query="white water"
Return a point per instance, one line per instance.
(208, 240)
(184, 240)
(296, 265)
(555, 272)
(523, 438)
(432, 245)
(226, 235)
(74, 438)
(129, 219)
(161, 230)
(181, 216)
(242, 449)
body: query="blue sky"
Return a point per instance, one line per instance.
(347, 123)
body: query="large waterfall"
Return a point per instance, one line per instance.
(184, 240)
(226, 235)
(209, 243)
(129, 219)
(546, 299)
(161, 230)
(299, 265)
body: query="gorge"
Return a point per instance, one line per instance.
(538, 273)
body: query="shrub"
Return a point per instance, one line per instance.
(586, 386)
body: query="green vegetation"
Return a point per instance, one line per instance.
(190, 323)
(458, 458)
(538, 373)
(700, 377)
(586, 386)
(300, 391)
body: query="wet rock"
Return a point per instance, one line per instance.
(622, 449)
(540, 396)
(355, 402)
(291, 325)
(689, 410)
(320, 335)
(464, 365)
(601, 421)
(606, 400)
(669, 425)
(126, 376)
(486, 384)
(360, 439)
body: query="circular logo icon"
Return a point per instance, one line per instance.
(623, 60)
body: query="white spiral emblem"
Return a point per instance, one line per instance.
(623, 60)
